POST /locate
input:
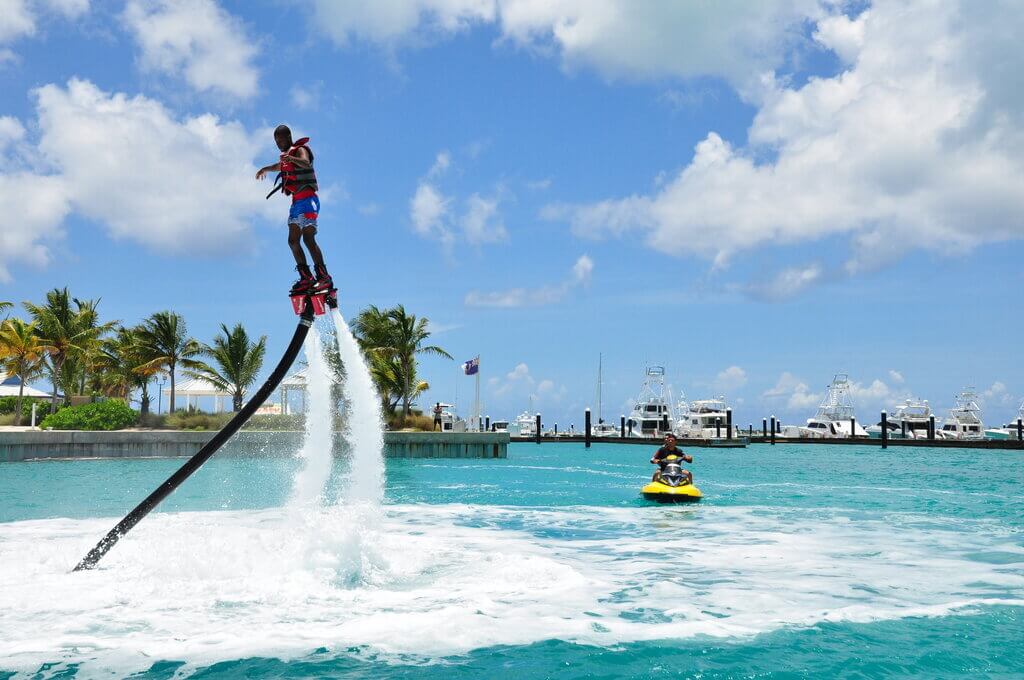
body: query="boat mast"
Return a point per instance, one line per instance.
(600, 414)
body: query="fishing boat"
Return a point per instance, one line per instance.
(964, 420)
(913, 417)
(835, 413)
(652, 412)
(1008, 431)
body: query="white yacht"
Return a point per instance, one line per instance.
(703, 419)
(1008, 431)
(499, 426)
(652, 413)
(834, 413)
(525, 425)
(450, 421)
(964, 420)
(914, 413)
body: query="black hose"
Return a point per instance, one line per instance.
(204, 454)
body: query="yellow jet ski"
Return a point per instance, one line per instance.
(672, 485)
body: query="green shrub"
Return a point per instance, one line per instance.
(8, 404)
(196, 420)
(413, 422)
(112, 414)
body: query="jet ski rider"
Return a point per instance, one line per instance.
(669, 449)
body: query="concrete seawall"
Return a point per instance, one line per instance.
(71, 444)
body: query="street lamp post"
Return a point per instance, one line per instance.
(160, 396)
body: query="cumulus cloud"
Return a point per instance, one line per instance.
(196, 40)
(436, 215)
(518, 376)
(165, 173)
(784, 284)
(918, 141)
(731, 39)
(582, 272)
(20, 18)
(896, 376)
(792, 393)
(731, 378)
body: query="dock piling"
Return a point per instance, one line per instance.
(773, 430)
(764, 428)
(853, 427)
(903, 429)
(538, 428)
(622, 426)
(718, 428)
(487, 424)
(885, 430)
(931, 428)
(728, 423)
(586, 424)
(1020, 430)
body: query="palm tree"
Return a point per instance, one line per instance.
(67, 328)
(4, 306)
(21, 355)
(119, 367)
(408, 335)
(238, 361)
(164, 340)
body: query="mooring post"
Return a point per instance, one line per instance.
(1020, 429)
(903, 429)
(931, 427)
(885, 430)
(538, 428)
(718, 428)
(853, 427)
(622, 426)
(728, 423)
(773, 430)
(586, 424)
(487, 424)
(764, 428)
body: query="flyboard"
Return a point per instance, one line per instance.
(306, 306)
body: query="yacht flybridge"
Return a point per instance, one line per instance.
(913, 414)
(964, 420)
(652, 413)
(835, 413)
(703, 419)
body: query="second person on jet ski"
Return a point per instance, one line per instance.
(669, 449)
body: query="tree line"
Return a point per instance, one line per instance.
(64, 340)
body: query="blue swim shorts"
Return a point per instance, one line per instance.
(304, 211)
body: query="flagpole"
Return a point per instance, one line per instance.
(476, 401)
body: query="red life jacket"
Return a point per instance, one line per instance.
(299, 183)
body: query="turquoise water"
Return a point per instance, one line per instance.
(801, 562)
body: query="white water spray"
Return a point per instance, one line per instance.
(316, 455)
(365, 426)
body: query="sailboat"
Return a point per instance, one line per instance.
(601, 428)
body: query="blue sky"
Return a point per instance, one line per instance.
(756, 197)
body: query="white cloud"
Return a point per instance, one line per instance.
(918, 142)
(164, 172)
(398, 22)
(534, 297)
(427, 210)
(793, 393)
(18, 18)
(896, 376)
(481, 222)
(785, 283)
(369, 209)
(306, 95)
(517, 377)
(433, 216)
(197, 40)
(731, 378)
(619, 38)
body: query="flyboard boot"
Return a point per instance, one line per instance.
(325, 286)
(302, 289)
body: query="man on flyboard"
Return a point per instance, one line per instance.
(297, 179)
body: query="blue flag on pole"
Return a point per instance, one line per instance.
(471, 367)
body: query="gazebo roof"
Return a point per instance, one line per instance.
(196, 387)
(296, 380)
(9, 387)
